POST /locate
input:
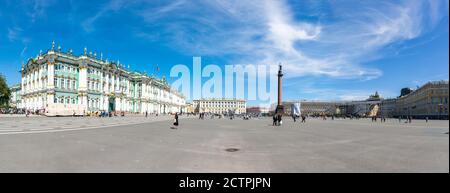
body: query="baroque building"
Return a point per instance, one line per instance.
(61, 83)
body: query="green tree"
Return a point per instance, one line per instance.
(5, 93)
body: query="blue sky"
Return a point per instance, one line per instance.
(331, 50)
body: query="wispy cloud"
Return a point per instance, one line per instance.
(38, 8)
(268, 32)
(23, 51)
(13, 33)
(113, 5)
(16, 34)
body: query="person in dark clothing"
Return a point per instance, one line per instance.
(294, 117)
(175, 123)
(279, 120)
(146, 114)
(274, 123)
(303, 119)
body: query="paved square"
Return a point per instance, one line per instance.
(139, 144)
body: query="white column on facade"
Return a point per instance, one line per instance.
(117, 103)
(82, 85)
(113, 81)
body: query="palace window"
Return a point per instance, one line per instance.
(73, 84)
(62, 83)
(55, 82)
(55, 100)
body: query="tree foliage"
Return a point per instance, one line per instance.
(5, 93)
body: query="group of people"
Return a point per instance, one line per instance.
(408, 119)
(383, 119)
(277, 120)
(101, 114)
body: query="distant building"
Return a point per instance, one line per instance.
(257, 110)
(430, 100)
(368, 107)
(220, 106)
(190, 108)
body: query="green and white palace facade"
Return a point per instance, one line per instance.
(60, 83)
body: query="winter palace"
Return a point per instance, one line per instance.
(61, 83)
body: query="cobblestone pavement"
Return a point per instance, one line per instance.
(40, 124)
(138, 144)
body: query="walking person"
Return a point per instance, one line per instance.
(426, 119)
(274, 123)
(175, 122)
(146, 114)
(303, 119)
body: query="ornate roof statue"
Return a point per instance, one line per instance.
(59, 48)
(53, 44)
(85, 51)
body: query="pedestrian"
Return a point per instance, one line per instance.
(146, 114)
(426, 119)
(274, 120)
(410, 119)
(399, 119)
(175, 123)
(303, 119)
(294, 117)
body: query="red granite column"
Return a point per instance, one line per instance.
(280, 108)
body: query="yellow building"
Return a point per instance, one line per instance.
(430, 100)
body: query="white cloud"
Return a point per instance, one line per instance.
(38, 9)
(13, 33)
(339, 44)
(282, 31)
(113, 5)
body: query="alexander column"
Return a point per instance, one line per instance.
(280, 108)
